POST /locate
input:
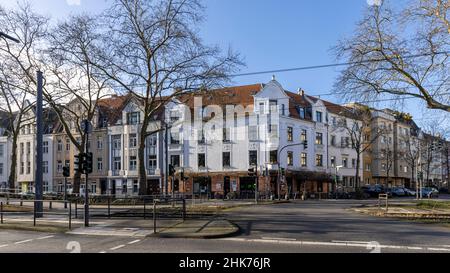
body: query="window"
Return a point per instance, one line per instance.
(406, 169)
(117, 166)
(368, 167)
(45, 147)
(22, 167)
(60, 146)
(334, 121)
(366, 137)
(175, 161)
(135, 186)
(133, 118)
(333, 161)
(253, 158)
(319, 160)
(319, 139)
(117, 143)
(345, 162)
(124, 187)
(273, 157)
(152, 162)
(59, 166)
(353, 163)
(304, 136)
(302, 112)
(28, 148)
(304, 160)
(290, 158)
(226, 135)
(226, 159)
(67, 144)
(201, 160)
(174, 115)
(261, 108)
(133, 163)
(253, 133)
(45, 167)
(99, 164)
(28, 167)
(1, 168)
(67, 163)
(347, 142)
(2, 150)
(99, 143)
(319, 117)
(45, 186)
(333, 140)
(174, 138)
(133, 141)
(290, 133)
(283, 109)
(22, 151)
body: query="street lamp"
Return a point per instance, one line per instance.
(336, 168)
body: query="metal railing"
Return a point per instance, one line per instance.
(36, 215)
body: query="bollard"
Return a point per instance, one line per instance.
(154, 217)
(76, 209)
(70, 214)
(109, 207)
(144, 211)
(184, 210)
(1, 212)
(34, 213)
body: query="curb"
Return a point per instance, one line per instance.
(235, 231)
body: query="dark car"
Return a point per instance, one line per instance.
(373, 190)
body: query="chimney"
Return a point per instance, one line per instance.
(301, 92)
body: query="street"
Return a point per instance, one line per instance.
(298, 227)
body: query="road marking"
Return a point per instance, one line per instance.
(334, 243)
(438, 249)
(117, 247)
(46, 237)
(278, 239)
(102, 252)
(3, 246)
(134, 242)
(24, 241)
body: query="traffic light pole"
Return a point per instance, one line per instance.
(86, 187)
(39, 207)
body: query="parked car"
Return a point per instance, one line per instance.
(410, 192)
(430, 193)
(397, 191)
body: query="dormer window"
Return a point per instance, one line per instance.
(133, 118)
(273, 105)
(283, 110)
(302, 112)
(319, 117)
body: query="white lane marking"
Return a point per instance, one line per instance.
(102, 252)
(45, 237)
(438, 249)
(117, 247)
(351, 242)
(3, 246)
(24, 241)
(134, 242)
(278, 239)
(334, 243)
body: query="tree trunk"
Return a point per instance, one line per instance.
(141, 159)
(12, 174)
(358, 157)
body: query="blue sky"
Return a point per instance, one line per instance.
(270, 35)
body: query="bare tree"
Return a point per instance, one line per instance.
(411, 152)
(404, 54)
(359, 130)
(17, 65)
(152, 49)
(74, 87)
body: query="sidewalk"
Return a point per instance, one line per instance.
(406, 212)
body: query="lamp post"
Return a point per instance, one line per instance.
(336, 168)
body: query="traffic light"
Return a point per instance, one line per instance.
(88, 163)
(305, 144)
(66, 171)
(78, 163)
(283, 171)
(171, 170)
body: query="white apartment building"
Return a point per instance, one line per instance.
(123, 143)
(274, 129)
(5, 162)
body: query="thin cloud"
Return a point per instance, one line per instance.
(73, 2)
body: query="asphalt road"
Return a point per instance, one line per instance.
(303, 227)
